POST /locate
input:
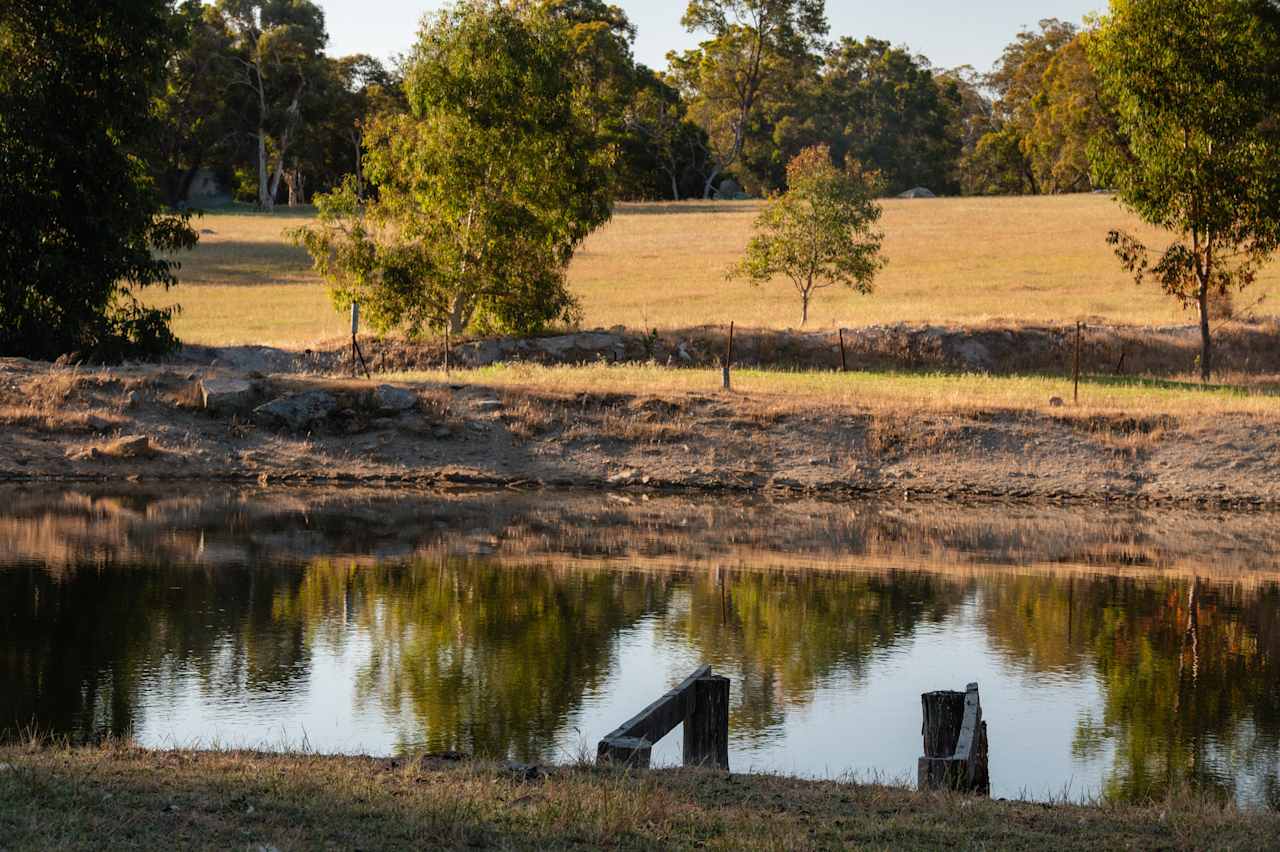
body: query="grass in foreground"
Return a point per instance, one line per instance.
(886, 390)
(121, 797)
(663, 265)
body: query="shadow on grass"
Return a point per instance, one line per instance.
(669, 208)
(1150, 383)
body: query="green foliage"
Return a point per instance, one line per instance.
(890, 112)
(754, 50)
(820, 232)
(79, 215)
(1001, 161)
(1194, 86)
(484, 189)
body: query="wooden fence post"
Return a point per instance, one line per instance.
(728, 357)
(955, 743)
(706, 730)
(1077, 366)
(844, 367)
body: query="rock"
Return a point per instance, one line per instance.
(489, 405)
(729, 190)
(623, 476)
(227, 396)
(297, 411)
(390, 401)
(1056, 402)
(524, 771)
(129, 447)
(918, 192)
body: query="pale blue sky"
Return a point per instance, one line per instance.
(950, 33)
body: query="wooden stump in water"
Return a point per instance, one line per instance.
(955, 743)
(706, 730)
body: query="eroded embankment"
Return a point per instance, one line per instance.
(1105, 349)
(213, 424)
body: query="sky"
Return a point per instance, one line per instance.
(950, 33)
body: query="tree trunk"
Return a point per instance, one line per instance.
(460, 314)
(1206, 342)
(265, 200)
(675, 188)
(711, 179)
(804, 309)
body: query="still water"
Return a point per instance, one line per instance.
(1118, 652)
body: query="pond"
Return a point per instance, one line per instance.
(1120, 652)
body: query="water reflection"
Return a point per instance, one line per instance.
(1124, 653)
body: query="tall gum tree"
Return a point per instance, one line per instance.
(725, 76)
(279, 48)
(1196, 94)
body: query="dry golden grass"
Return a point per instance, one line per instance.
(884, 391)
(968, 260)
(116, 796)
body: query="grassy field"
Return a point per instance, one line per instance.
(120, 797)
(888, 391)
(965, 260)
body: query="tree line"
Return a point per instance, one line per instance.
(251, 94)
(454, 186)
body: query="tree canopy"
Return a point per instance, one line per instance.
(820, 232)
(484, 188)
(80, 218)
(1194, 87)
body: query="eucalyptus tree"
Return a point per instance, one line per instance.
(278, 54)
(751, 44)
(1194, 84)
(819, 233)
(485, 187)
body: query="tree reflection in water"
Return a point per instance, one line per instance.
(496, 652)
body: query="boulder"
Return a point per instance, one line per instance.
(389, 400)
(918, 192)
(298, 411)
(227, 396)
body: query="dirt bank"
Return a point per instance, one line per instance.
(1244, 348)
(218, 424)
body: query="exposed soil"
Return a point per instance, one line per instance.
(67, 424)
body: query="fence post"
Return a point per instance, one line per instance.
(844, 367)
(1077, 366)
(706, 730)
(728, 357)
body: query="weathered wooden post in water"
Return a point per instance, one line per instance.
(701, 703)
(955, 743)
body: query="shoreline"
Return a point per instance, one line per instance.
(179, 424)
(121, 795)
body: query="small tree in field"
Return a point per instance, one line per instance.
(820, 232)
(1196, 84)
